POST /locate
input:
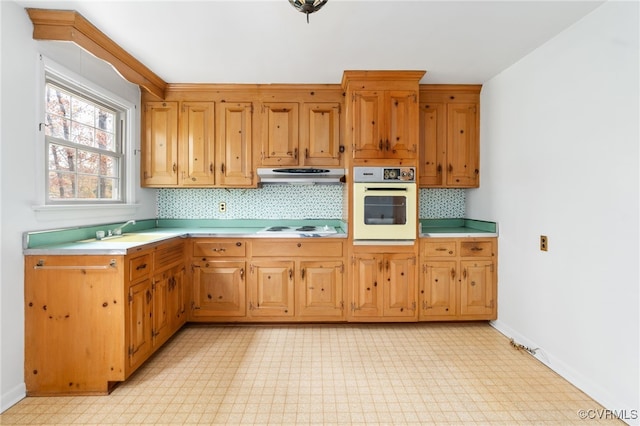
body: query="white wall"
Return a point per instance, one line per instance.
(559, 153)
(19, 142)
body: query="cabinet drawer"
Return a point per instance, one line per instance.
(139, 266)
(476, 249)
(440, 249)
(168, 254)
(297, 248)
(219, 248)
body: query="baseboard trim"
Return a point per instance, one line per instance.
(593, 390)
(12, 397)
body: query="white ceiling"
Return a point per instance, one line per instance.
(268, 41)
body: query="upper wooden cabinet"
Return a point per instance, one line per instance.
(159, 162)
(178, 146)
(449, 136)
(234, 142)
(196, 143)
(320, 134)
(279, 134)
(382, 113)
(300, 134)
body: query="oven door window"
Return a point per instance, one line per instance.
(385, 209)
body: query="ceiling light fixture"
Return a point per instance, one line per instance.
(308, 6)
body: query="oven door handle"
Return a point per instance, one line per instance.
(385, 189)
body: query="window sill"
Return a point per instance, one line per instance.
(62, 212)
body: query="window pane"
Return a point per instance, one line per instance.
(109, 188)
(82, 112)
(57, 101)
(88, 162)
(109, 166)
(82, 134)
(62, 185)
(87, 186)
(105, 141)
(61, 158)
(57, 126)
(105, 120)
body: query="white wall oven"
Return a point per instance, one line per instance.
(384, 203)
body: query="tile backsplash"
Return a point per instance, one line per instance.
(288, 202)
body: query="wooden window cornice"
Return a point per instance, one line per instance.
(69, 25)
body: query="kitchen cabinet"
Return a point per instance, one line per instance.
(382, 115)
(159, 157)
(300, 280)
(383, 286)
(234, 144)
(320, 134)
(92, 320)
(196, 144)
(219, 287)
(458, 279)
(449, 136)
(280, 141)
(178, 146)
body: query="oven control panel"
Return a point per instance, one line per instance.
(384, 174)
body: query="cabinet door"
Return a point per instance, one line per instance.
(280, 134)
(140, 322)
(319, 291)
(401, 138)
(368, 124)
(160, 144)
(196, 144)
(160, 309)
(320, 131)
(477, 289)
(271, 289)
(219, 289)
(433, 143)
(367, 290)
(177, 303)
(438, 291)
(235, 135)
(463, 145)
(400, 291)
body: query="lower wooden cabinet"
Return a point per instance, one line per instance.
(219, 289)
(383, 286)
(92, 320)
(297, 280)
(458, 279)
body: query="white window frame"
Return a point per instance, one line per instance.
(50, 70)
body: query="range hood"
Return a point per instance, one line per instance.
(300, 176)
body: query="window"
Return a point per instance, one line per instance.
(84, 146)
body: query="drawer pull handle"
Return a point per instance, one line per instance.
(219, 249)
(139, 267)
(242, 273)
(476, 249)
(441, 249)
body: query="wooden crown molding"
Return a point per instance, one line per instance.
(69, 25)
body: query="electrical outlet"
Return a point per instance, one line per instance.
(544, 243)
(222, 207)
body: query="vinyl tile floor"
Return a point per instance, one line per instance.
(376, 374)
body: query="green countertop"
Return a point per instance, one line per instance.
(443, 228)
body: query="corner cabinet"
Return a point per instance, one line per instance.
(159, 161)
(382, 113)
(91, 321)
(458, 279)
(449, 136)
